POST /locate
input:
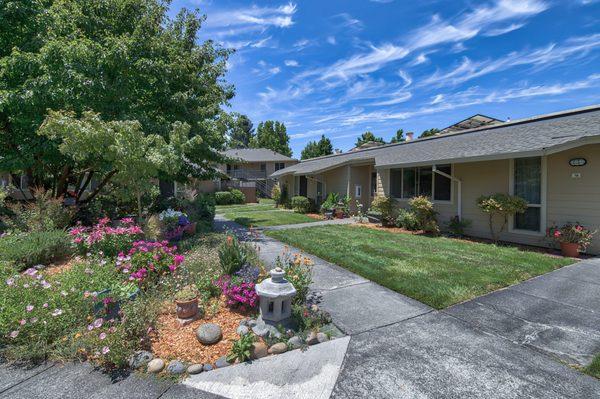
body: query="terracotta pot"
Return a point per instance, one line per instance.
(186, 309)
(190, 229)
(339, 213)
(570, 249)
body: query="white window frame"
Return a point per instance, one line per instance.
(433, 201)
(542, 205)
(357, 191)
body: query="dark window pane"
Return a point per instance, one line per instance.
(373, 184)
(396, 183)
(410, 180)
(528, 179)
(263, 167)
(443, 185)
(530, 220)
(425, 179)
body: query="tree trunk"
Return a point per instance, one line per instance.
(61, 186)
(100, 187)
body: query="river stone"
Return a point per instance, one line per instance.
(259, 349)
(207, 367)
(242, 330)
(222, 362)
(278, 348)
(295, 342)
(140, 359)
(156, 365)
(251, 323)
(312, 339)
(175, 367)
(195, 369)
(209, 333)
(322, 337)
(265, 330)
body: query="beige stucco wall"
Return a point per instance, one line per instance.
(567, 198)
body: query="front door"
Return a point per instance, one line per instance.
(303, 186)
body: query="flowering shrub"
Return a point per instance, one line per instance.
(310, 318)
(571, 233)
(103, 239)
(298, 271)
(232, 255)
(239, 293)
(147, 261)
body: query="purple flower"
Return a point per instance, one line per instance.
(98, 323)
(102, 336)
(10, 281)
(105, 350)
(90, 327)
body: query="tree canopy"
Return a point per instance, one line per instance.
(242, 132)
(399, 137)
(367, 137)
(272, 135)
(430, 132)
(317, 148)
(123, 60)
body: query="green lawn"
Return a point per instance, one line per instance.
(437, 271)
(262, 214)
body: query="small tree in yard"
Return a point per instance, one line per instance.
(502, 206)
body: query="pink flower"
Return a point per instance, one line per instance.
(23, 322)
(45, 305)
(90, 327)
(105, 350)
(29, 308)
(102, 336)
(57, 312)
(98, 323)
(14, 334)
(10, 281)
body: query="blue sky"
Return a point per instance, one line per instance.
(340, 68)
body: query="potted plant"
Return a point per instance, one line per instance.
(572, 237)
(186, 302)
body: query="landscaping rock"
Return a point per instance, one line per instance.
(322, 337)
(278, 348)
(242, 330)
(222, 362)
(156, 365)
(207, 367)
(244, 322)
(265, 330)
(195, 369)
(175, 367)
(140, 359)
(259, 349)
(312, 339)
(296, 342)
(209, 333)
(251, 323)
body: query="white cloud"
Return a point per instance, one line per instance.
(503, 30)
(274, 70)
(331, 40)
(249, 18)
(405, 77)
(364, 63)
(395, 98)
(345, 20)
(291, 63)
(549, 56)
(437, 99)
(419, 59)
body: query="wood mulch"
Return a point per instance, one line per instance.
(60, 267)
(172, 341)
(317, 216)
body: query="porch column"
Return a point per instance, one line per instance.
(348, 175)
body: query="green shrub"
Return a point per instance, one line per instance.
(198, 207)
(223, 198)
(309, 318)
(44, 213)
(330, 202)
(298, 271)
(457, 226)
(422, 207)
(386, 207)
(300, 204)
(28, 249)
(407, 220)
(276, 194)
(232, 255)
(241, 349)
(237, 197)
(502, 206)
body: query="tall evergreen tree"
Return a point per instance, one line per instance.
(242, 132)
(272, 135)
(315, 149)
(367, 137)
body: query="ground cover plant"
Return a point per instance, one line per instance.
(438, 271)
(24, 250)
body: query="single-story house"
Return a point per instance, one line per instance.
(552, 161)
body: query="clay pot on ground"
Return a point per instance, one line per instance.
(186, 309)
(339, 213)
(570, 249)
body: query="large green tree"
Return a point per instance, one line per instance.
(367, 137)
(125, 60)
(430, 132)
(272, 135)
(242, 132)
(399, 137)
(319, 148)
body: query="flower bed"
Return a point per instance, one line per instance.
(103, 239)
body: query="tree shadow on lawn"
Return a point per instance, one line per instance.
(248, 222)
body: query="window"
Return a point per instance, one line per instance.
(373, 184)
(410, 182)
(527, 184)
(357, 191)
(279, 165)
(442, 184)
(263, 167)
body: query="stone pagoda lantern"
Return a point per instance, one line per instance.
(275, 297)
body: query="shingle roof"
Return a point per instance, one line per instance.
(532, 136)
(256, 155)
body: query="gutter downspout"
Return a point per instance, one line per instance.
(459, 196)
